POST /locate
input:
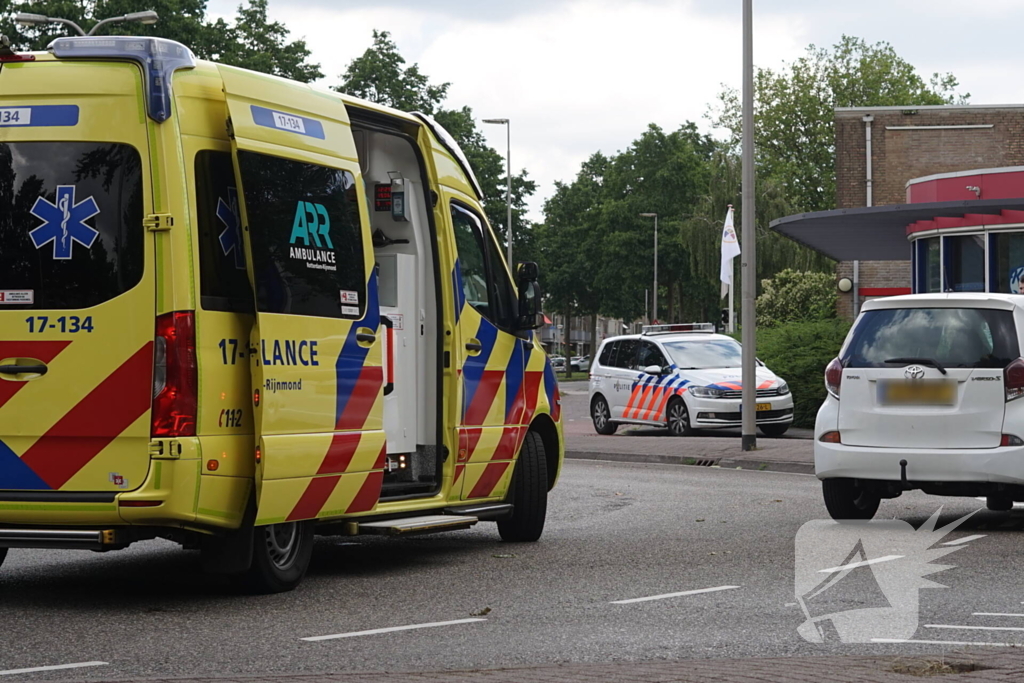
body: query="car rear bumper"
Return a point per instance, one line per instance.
(981, 465)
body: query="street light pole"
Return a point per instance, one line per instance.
(749, 253)
(508, 182)
(654, 295)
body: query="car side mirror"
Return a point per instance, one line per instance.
(530, 295)
(653, 369)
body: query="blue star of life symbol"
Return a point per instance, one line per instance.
(64, 222)
(231, 237)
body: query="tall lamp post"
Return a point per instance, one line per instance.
(149, 17)
(508, 182)
(654, 294)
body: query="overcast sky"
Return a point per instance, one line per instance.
(578, 76)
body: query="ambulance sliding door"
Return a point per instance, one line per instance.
(315, 349)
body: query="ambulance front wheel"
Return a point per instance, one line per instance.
(528, 494)
(280, 556)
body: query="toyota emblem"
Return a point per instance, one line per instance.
(914, 372)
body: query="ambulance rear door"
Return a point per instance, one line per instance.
(77, 282)
(315, 350)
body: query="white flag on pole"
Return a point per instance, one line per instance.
(730, 250)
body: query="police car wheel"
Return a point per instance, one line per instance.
(679, 418)
(280, 556)
(602, 416)
(528, 494)
(774, 430)
(845, 501)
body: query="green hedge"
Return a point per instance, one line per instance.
(798, 353)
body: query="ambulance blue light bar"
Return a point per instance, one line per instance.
(707, 328)
(158, 57)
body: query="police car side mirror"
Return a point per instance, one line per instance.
(530, 295)
(653, 370)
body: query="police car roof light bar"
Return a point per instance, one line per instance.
(159, 59)
(707, 328)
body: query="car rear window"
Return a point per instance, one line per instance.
(953, 337)
(71, 232)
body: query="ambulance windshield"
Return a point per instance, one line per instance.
(71, 232)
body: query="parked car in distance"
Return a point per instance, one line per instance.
(683, 377)
(580, 363)
(924, 395)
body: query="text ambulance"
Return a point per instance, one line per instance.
(236, 311)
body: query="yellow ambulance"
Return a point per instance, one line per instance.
(237, 311)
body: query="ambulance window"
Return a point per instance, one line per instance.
(223, 283)
(71, 232)
(307, 240)
(484, 279)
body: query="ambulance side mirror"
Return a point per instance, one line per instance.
(530, 294)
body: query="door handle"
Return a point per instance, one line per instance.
(365, 337)
(23, 369)
(474, 346)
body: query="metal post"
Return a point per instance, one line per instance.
(508, 189)
(654, 305)
(749, 253)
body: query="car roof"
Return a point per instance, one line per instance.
(671, 336)
(947, 300)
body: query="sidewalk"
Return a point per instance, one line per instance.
(977, 665)
(649, 445)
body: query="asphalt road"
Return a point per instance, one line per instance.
(615, 532)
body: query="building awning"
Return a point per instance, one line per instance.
(878, 233)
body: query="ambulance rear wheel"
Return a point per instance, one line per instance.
(280, 556)
(528, 494)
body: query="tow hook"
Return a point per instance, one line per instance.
(903, 475)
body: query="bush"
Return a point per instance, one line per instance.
(798, 353)
(795, 296)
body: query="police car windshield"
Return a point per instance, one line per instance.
(692, 354)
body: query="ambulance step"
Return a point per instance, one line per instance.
(417, 525)
(56, 538)
(484, 511)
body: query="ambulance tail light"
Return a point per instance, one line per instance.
(175, 376)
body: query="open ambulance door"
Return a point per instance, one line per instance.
(315, 348)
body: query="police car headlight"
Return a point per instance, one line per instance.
(706, 392)
(783, 389)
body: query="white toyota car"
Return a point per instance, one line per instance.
(683, 377)
(924, 396)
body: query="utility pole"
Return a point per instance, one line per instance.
(749, 253)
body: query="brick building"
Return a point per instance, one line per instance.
(926, 149)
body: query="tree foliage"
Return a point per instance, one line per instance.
(794, 111)
(794, 296)
(251, 42)
(382, 75)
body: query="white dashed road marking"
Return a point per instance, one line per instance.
(977, 628)
(392, 629)
(995, 614)
(965, 539)
(673, 595)
(959, 643)
(36, 669)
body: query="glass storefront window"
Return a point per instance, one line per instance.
(965, 263)
(929, 274)
(1008, 262)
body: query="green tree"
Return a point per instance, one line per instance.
(794, 296)
(251, 42)
(382, 75)
(794, 111)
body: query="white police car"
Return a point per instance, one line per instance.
(682, 376)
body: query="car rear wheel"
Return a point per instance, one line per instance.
(774, 430)
(280, 556)
(679, 418)
(847, 502)
(601, 414)
(528, 494)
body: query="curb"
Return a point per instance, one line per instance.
(724, 463)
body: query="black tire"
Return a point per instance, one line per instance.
(3, 555)
(528, 494)
(774, 430)
(847, 502)
(999, 503)
(601, 414)
(280, 556)
(678, 418)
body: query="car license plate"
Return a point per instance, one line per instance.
(764, 406)
(927, 392)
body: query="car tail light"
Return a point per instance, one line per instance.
(834, 377)
(1013, 379)
(175, 376)
(1011, 440)
(831, 437)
